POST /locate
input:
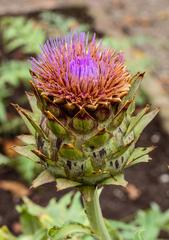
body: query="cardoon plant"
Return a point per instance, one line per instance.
(83, 126)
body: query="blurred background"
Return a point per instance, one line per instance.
(139, 29)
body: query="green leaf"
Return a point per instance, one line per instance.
(19, 32)
(40, 234)
(30, 224)
(138, 236)
(56, 233)
(3, 159)
(145, 159)
(117, 180)
(27, 169)
(5, 234)
(152, 221)
(14, 125)
(61, 214)
(30, 207)
(3, 116)
(57, 213)
(144, 121)
(14, 71)
(136, 119)
(37, 221)
(139, 154)
(59, 22)
(146, 225)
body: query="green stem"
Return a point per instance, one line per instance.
(92, 207)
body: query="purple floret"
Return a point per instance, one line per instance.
(80, 70)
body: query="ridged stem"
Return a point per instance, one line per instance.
(92, 208)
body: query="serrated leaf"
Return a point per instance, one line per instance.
(141, 151)
(142, 159)
(19, 32)
(31, 207)
(67, 230)
(44, 177)
(63, 183)
(57, 212)
(152, 221)
(117, 180)
(139, 155)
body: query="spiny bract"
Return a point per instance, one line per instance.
(82, 122)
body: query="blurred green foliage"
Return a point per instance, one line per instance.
(65, 219)
(28, 170)
(11, 74)
(19, 32)
(147, 224)
(61, 24)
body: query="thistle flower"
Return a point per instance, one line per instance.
(80, 72)
(84, 128)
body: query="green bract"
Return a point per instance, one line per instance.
(84, 146)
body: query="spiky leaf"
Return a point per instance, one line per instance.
(44, 177)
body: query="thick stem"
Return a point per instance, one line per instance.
(92, 207)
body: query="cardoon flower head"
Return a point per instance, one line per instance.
(83, 125)
(80, 71)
